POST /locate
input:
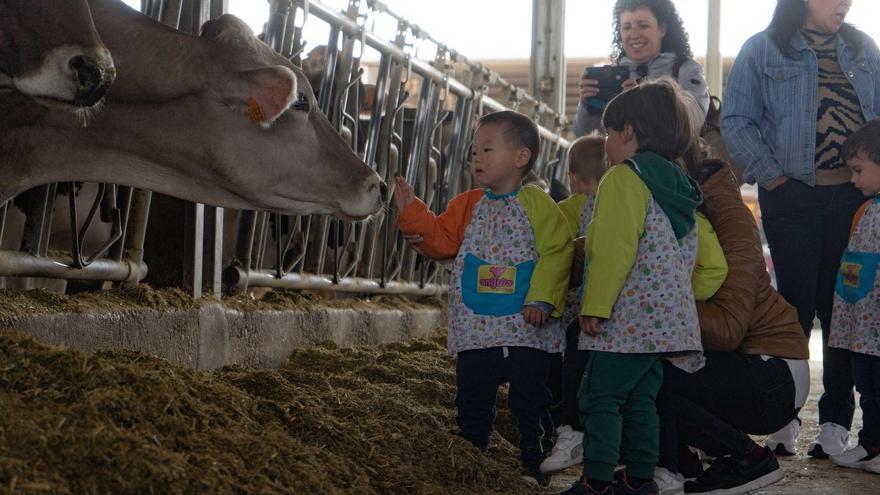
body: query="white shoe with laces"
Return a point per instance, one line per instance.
(855, 457)
(567, 451)
(783, 442)
(832, 439)
(669, 483)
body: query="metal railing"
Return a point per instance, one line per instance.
(424, 136)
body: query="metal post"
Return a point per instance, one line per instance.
(547, 73)
(714, 62)
(218, 8)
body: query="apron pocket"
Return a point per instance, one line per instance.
(495, 290)
(857, 275)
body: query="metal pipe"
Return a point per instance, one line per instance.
(714, 69)
(423, 69)
(264, 278)
(18, 264)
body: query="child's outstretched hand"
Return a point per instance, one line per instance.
(403, 193)
(590, 324)
(534, 316)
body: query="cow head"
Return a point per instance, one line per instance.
(50, 51)
(219, 119)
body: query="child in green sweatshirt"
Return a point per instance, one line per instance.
(638, 304)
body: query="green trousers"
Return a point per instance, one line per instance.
(617, 402)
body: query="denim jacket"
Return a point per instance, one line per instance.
(690, 78)
(771, 104)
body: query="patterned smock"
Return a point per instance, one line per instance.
(578, 210)
(855, 324)
(655, 310)
(510, 250)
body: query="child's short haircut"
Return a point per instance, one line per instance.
(586, 157)
(518, 130)
(865, 140)
(657, 115)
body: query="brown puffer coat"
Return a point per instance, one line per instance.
(746, 314)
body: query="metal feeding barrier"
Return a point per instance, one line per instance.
(427, 143)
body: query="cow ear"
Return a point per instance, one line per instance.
(268, 92)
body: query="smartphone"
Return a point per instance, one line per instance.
(610, 78)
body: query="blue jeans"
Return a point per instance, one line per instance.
(866, 375)
(807, 229)
(479, 373)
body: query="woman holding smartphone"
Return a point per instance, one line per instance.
(650, 39)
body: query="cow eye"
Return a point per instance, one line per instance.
(301, 104)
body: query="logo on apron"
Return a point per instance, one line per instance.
(496, 279)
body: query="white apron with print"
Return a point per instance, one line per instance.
(573, 296)
(655, 311)
(855, 324)
(490, 281)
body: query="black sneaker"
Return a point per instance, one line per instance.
(533, 474)
(647, 488)
(580, 487)
(729, 476)
(690, 465)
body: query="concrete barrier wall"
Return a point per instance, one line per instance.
(211, 335)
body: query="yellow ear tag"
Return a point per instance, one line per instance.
(255, 111)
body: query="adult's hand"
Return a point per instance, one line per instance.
(587, 88)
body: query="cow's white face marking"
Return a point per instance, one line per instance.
(57, 83)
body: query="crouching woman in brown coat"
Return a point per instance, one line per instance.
(756, 376)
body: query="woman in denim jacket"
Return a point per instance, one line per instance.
(794, 94)
(650, 39)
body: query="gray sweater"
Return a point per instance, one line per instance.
(690, 78)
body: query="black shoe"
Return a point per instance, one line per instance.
(729, 476)
(647, 488)
(580, 487)
(533, 474)
(690, 465)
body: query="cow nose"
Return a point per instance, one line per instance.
(92, 80)
(383, 191)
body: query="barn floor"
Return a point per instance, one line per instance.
(803, 474)
(329, 420)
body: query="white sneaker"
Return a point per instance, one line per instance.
(872, 466)
(832, 439)
(567, 451)
(855, 457)
(669, 483)
(783, 442)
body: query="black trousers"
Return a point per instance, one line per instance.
(807, 230)
(716, 408)
(479, 373)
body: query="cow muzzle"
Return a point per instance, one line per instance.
(93, 78)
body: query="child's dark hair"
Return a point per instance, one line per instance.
(586, 157)
(519, 130)
(657, 115)
(865, 140)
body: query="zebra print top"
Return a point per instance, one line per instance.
(839, 113)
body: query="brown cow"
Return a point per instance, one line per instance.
(49, 50)
(180, 119)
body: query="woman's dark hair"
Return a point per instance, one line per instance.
(790, 15)
(676, 38)
(519, 130)
(657, 115)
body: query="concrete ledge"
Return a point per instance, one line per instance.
(211, 335)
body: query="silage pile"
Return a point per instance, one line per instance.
(364, 421)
